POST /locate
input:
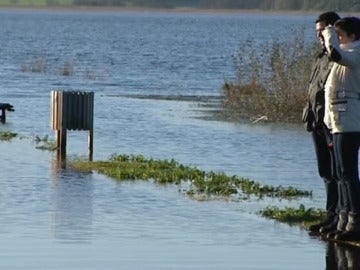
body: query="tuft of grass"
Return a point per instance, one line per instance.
(7, 135)
(67, 69)
(199, 183)
(45, 143)
(301, 216)
(270, 82)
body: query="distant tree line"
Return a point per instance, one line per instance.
(338, 5)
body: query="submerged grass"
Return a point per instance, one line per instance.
(199, 183)
(301, 216)
(202, 185)
(7, 135)
(45, 143)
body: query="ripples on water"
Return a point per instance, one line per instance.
(59, 219)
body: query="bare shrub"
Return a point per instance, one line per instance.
(270, 82)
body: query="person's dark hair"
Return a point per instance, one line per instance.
(329, 17)
(350, 25)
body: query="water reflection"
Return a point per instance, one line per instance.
(342, 257)
(72, 204)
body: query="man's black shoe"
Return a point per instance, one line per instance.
(329, 227)
(348, 236)
(332, 235)
(326, 221)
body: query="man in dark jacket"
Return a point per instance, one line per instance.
(313, 118)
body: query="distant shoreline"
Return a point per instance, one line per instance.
(118, 9)
(179, 10)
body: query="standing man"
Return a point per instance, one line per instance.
(314, 118)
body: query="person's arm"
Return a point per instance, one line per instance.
(336, 53)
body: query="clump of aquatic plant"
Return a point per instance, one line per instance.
(271, 81)
(68, 69)
(199, 183)
(95, 75)
(38, 66)
(7, 135)
(290, 215)
(252, 187)
(45, 143)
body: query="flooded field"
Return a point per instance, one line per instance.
(56, 218)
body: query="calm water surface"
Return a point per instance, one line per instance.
(55, 218)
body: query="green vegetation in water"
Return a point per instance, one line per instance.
(45, 143)
(7, 135)
(301, 216)
(201, 184)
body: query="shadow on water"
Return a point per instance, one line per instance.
(72, 204)
(341, 257)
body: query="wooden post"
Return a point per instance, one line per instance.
(3, 115)
(61, 143)
(90, 144)
(89, 123)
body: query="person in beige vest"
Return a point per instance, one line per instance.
(342, 117)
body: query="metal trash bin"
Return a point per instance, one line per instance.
(72, 110)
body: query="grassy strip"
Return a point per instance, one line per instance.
(301, 216)
(201, 183)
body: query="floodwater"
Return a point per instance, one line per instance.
(55, 218)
